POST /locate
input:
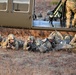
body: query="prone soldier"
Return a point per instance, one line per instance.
(50, 42)
(64, 44)
(30, 44)
(10, 42)
(56, 35)
(61, 42)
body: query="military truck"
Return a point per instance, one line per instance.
(21, 14)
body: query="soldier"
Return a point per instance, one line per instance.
(73, 41)
(30, 44)
(50, 42)
(61, 42)
(64, 44)
(56, 35)
(70, 7)
(10, 42)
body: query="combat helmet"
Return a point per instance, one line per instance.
(31, 38)
(11, 36)
(67, 37)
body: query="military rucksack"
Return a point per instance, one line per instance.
(48, 45)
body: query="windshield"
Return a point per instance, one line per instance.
(3, 1)
(21, 1)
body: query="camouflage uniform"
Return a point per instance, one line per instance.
(64, 44)
(30, 44)
(73, 41)
(70, 7)
(36, 45)
(10, 45)
(56, 35)
(2, 40)
(45, 46)
(61, 42)
(50, 42)
(39, 41)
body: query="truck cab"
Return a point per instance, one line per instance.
(16, 13)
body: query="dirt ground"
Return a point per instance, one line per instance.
(30, 63)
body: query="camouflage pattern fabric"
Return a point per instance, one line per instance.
(73, 41)
(70, 7)
(64, 44)
(56, 35)
(39, 41)
(20, 43)
(14, 45)
(45, 46)
(30, 44)
(6, 43)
